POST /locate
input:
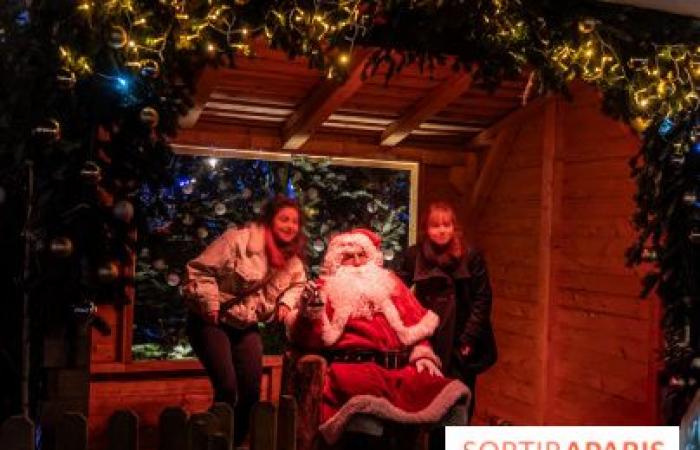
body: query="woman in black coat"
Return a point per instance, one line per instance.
(451, 279)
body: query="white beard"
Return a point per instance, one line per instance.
(359, 291)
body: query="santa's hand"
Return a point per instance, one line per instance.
(428, 365)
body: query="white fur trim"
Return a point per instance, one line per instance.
(424, 352)
(381, 408)
(332, 329)
(341, 242)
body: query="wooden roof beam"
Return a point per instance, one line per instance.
(324, 100)
(205, 86)
(427, 107)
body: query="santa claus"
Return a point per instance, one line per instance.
(374, 334)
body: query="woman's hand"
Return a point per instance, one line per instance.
(212, 317)
(282, 312)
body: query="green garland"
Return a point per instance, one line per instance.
(90, 90)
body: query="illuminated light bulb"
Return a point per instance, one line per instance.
(212, 162)
(343, 58)
(132, 44)
(84, 7)
(244, 32)
(586, 26)
(211, 48)
(141, 21)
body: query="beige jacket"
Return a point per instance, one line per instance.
(234, 262)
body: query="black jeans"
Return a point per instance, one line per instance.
(233, 361)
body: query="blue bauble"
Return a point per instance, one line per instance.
(666, 126)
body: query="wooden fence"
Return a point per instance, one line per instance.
(273, 428)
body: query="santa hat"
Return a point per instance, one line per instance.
(368, 240)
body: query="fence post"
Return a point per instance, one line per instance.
(123, 431)
(200, 427)
(263, 429)
(72, 432)
(287, 423)
(17, 433)
(224, 417)
(172, 429)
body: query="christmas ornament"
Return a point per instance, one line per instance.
(312, 194)
(173, 279)
(118, 37)
(202, 232)
(66, 79)
(150, 68)
(640, 124)
(677, 160)
(219, 209)
(389, 254)
(108, 272)
(319, 245)
(694, 235)
(61, 247)
(50, 130)
(587, 26)
(123, 210)
(149, 117)
(649, 255)
(91, 172)
(159, 264)
(666, 127)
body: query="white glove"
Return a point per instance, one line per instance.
(425, 364)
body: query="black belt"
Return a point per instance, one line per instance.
(388, 360)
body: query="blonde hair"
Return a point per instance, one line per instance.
(455, 248)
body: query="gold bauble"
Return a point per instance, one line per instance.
(150, 68)
(149, 117)
(50, 130)
(61, 247)
(118, 37)
(108, 272)
(91, 172)
(640, 124)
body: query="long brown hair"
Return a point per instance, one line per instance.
(298, 246)
(455, 248)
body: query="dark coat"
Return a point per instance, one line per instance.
(462, 299)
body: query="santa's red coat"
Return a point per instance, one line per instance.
(402, 395)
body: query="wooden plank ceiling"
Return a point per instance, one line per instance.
(270, 95)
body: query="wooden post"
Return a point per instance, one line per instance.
(224, 420)
(200, 427)
(287, 423)
(172, 427)
(123, 431)
(72, 432)
(17, 433)
(219, 442)
(263, 429)
(551, 192)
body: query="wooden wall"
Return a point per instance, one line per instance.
(577, 345)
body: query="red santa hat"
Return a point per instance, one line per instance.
(367, 239)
